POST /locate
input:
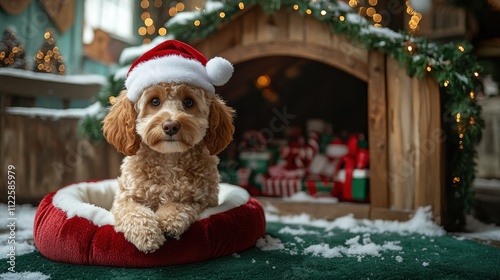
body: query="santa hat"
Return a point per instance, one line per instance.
(177, 62)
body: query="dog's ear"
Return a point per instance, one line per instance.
(119, 126)
(220, 128)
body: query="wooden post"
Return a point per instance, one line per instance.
(428, 137)
(415, 176)
(401, 150)
(377, 130)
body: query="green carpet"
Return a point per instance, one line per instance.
(306, 252)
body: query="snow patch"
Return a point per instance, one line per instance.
(56, 114)
(354, 248)
(382, 33)
(27, 275)
(478, 230)
(69, 79)
(488, 184)
(299, 231)
(269, 243)
(25, 215)
(304, 197)
(22, 248)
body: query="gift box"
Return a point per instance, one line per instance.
(256, 161)
(281, 187)
(352, 185)
(318, 187)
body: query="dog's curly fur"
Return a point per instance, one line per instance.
(166, 180)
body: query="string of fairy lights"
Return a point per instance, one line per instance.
(368, 9)
(153, 25)
(47, 59)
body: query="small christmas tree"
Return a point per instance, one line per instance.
(48, 59)
(11, 50)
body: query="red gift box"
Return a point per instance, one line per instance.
(351, 174)
(319, 187)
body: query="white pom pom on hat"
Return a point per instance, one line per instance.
(219, 70)
(175, 61)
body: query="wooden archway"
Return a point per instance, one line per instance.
(404, 122)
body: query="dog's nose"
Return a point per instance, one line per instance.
(171, 127)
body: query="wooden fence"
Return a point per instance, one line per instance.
(48, 154)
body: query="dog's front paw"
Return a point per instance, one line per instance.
(174, 222)
(148, 240)
(142, 229)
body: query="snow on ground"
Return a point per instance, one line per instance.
(27, 275)
(24, 217)
(305, 197)
(354, 247)
(421, 223)
(361, 245)
(269, 243)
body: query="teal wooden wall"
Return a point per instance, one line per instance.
(32, 23)
(30, 26)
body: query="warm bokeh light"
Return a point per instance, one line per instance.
(148, 21)
(263, 81)
(142, 31)
(162, 31)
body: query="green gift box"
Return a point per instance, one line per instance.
(257, 161)
(358, 189)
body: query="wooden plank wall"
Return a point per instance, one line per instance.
(49, 154)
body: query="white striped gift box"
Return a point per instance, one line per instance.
(281, 186)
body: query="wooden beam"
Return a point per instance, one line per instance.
(318, 210)
(323, 54)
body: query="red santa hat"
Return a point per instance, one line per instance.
(177, 62)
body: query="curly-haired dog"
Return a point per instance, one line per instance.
(171, 130)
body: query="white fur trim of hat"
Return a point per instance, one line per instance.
(177, 62)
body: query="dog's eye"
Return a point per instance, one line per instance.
(155, 101)
(188, 102)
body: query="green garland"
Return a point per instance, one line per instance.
(452, 65)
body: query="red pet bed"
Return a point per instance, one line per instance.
(74, 225)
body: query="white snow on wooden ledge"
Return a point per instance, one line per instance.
(56, 114)
(71, 79)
